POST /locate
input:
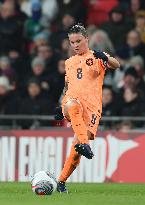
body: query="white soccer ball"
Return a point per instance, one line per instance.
(43, 183)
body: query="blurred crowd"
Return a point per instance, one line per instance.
(34, 46)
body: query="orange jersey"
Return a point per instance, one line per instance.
(85, 74)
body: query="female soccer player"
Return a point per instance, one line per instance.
(82, 102)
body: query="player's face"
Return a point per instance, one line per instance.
(78, 42)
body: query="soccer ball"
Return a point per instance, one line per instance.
(43, 183)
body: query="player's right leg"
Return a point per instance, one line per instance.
(74, 112)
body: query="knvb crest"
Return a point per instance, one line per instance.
(89, 61)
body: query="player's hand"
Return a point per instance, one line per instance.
(100, 55)
(58, 114)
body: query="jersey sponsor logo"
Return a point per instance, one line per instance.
(89, 61)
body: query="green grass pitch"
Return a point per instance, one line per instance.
(80, 194)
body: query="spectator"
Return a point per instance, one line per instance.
(9, 100)
(26, 7)
(18, 12)
(70, 52)
(140, 24)
(100, 41)
(138, 63)
(62, 33)
(49, 8)
(59, 80)
(39, 72)
(50, 57)
(133, 45)
(11, 29)
(36, 103)
(65, 46)
(131, 80)
(6, 69)
(20, 63)
(39, 40)
(135, 5)
(75, 8)
(117, 26)
(123, 59)
(37, 22)
(109, 108)
(91, 29)
(133, 104)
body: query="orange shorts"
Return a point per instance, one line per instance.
(91, 114)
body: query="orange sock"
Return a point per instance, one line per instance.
(70, 164)
(77, 122)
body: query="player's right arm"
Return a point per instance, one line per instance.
(65, 88)
(58, 112)
(66, 78)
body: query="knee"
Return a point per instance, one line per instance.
(73, 107)
(69, 106)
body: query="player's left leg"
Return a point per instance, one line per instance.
(70, 165)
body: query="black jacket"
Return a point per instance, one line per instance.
(10, 34)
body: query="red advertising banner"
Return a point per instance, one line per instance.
(119, 157)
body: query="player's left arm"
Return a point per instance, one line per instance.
(108, 61)
(113, 63)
